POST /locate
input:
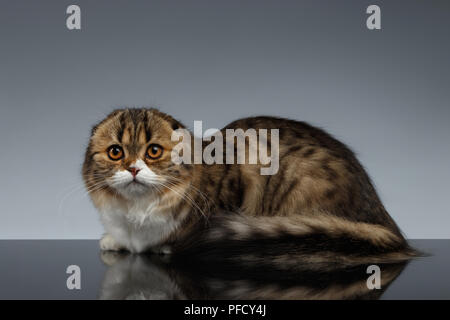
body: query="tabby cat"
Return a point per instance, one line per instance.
(321, 199)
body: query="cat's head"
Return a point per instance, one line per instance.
(129, 154)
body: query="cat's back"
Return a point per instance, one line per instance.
(294, 133)
(317, 174)
(303, 149)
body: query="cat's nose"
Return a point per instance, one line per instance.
(134, 171)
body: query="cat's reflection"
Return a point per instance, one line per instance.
(131, 276)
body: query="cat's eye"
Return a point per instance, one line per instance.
(154, 151)
(115, 152)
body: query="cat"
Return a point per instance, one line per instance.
(321, 199)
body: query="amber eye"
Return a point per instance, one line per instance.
(115, 152)
(154, 151)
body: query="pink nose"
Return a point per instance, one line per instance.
(134, 171)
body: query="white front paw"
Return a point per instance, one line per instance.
(107, 243)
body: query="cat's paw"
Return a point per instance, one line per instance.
(110, 258)
(107, 243)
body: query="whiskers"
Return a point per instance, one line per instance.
(171, 183)
(151, 189)
(208, 204)
(80, 187)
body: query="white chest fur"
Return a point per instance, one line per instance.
(137, 226)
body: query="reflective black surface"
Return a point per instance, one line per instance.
(36, 269)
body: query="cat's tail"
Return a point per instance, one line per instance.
(316, 239)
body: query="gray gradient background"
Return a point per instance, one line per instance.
(384, 93)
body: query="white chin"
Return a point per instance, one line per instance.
(133, 190)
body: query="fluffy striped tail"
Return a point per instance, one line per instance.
(295, 240)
